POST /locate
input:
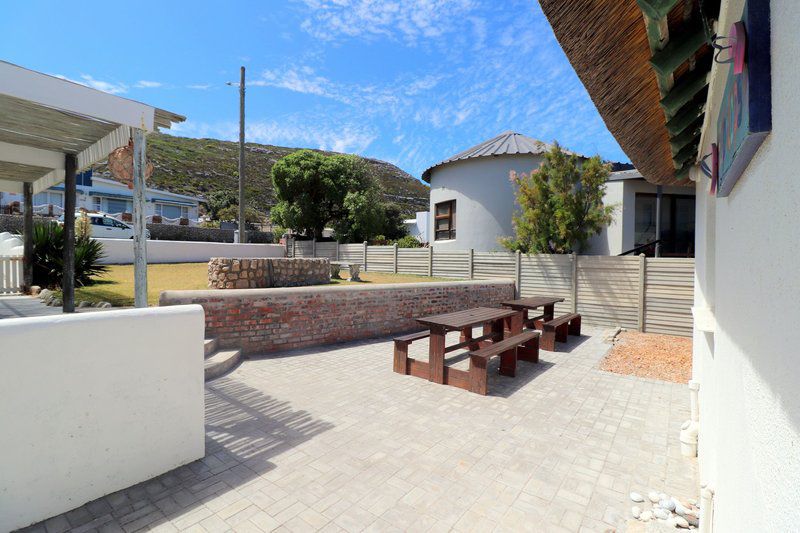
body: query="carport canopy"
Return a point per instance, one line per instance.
(51, 128)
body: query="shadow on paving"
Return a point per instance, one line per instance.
(244, 429)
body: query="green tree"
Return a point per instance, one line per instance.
(393, 226)
(314, 190)
(561, 204)
(220, 200)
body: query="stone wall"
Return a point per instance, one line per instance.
(260, 273)
(267, 320)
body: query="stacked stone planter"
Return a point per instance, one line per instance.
(261, 273)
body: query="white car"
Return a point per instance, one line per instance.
(104, 226)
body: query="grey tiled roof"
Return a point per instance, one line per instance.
(507, 143)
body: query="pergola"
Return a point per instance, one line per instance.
(51, 129)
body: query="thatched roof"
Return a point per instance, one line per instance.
(610, 44)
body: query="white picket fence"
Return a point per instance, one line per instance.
(10, 274)
(634, 292)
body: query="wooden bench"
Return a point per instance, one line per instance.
(401, 349)
(507, 350)
(556, 330)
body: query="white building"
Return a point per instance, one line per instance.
(417, 227)
(109, 196)
(472, 202)
(737, 122)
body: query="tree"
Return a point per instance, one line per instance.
(561, 204)
(393, 226)
(314, 189)
(220, 200)
(231, 214)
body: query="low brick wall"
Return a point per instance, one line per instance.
(268, 320)
(260, 273)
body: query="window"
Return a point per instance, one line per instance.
(677, 223)
(97, 203)
(48, 197)
(445, 220)
(117, 206)
(172, 211)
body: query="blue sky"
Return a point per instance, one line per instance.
(407, 81)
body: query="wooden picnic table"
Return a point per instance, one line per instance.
(494, 321)
(547, 303)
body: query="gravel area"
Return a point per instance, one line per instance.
(648, 355)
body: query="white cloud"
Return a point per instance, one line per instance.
(301, 80)
(293, 131)
(88, 81)
(199, 86)
(410, 20)
(145, 84)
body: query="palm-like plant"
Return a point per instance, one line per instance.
(48, 256)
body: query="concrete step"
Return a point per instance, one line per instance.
(221, 362)
(210, 347)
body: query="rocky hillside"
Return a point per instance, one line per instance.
(200, 166)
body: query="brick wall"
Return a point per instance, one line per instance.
(259, 273)
(267, 320)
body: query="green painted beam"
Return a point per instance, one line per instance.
(691, 133)
(683, 172)
(677, 51)
(684, 91)
(656, 9)
(687, 153)
(684, 118)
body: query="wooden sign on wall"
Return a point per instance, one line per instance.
(745, 116)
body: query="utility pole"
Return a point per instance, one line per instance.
(242, 231)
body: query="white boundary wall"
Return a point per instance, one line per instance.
(83, 419)
(120, 251)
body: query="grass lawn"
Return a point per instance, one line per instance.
(116, 286)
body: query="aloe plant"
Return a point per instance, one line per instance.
(48, 256)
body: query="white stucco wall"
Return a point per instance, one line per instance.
(94, 403)
(747, 270)
(120, 251)
(484, 198)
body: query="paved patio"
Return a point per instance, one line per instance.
(331, 439)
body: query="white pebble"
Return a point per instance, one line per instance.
(661, 514)
(636, 511)
(681, 522)
(646, 516)
(667, 504)
(652, 496)
(662, 496)
(679, 508)
(636, 497)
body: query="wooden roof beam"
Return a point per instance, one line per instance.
(679, 49)
(684, 92)
(656, 9)
(689, 134)
(684, 118)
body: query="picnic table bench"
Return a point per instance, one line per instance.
(502, 336)
(553, 329)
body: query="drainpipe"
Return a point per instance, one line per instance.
(691, 428)
(659, 189)
(706, 509)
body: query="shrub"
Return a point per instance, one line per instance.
(408, 242)
(48, 256)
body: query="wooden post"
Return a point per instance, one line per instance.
(430, 261)
(395, 258)
(139, 221)
(471, 263)
(27, 238)
(642, 267)
(574, 282)
(365, 255)
(518, 273)
(68, 283)
(242, 219)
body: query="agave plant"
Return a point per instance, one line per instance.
(48, 256)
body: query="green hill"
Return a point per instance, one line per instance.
(198, 167)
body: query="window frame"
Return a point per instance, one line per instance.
(450, 232)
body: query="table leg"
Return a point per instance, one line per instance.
(514, 323)
(508, 359)
(436, 355)
(466, 335)
(548, 312)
